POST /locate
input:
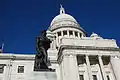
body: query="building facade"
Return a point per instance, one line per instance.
(72, 54)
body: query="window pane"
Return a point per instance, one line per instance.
(94, 77)
(20, 69)
(81, 77)
(76, 34)
(70, 32)
(93, 60)
(64, 32)
(108, 78)
(2, 68)
(80, 60)
(59, 33)
(106, 60)
(80, 34)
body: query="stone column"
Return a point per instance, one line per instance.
(68, 33)
(102, 68)
(82, 35)
(73, 33)
(54, 42)
(57, 39)
(115, 62)
(69, 67)
(78, 35)
(8, 68)
(88, 67)
(62, 33)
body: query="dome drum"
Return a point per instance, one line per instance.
(69, 32)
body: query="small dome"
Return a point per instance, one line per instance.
(95, 36)
(62, 17)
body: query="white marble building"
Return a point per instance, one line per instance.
(73, 54)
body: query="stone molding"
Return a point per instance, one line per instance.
(87, 48)
(61, 49)
(17, 57)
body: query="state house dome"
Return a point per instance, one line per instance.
(63, 22)
(63, 19)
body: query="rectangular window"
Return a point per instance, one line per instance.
(80, 60)
(93, 60)
(64, 32)
(70, 33)
(81, 77)
(106, 60)
(20, 69)
(2, 68)
(108, 78)
(80, 34)
(94, 77)
(59, 33)
(76, 34)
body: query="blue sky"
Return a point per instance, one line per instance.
(22, 20)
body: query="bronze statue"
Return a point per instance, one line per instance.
(41, 58)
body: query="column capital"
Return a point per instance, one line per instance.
(99, 56)
(70, 55)
(87, 55)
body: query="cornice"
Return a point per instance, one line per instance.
(17, 57)
(85, 48)
(89, 48)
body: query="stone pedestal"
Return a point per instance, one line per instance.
(42, 75)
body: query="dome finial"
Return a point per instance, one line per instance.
(62, 11)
